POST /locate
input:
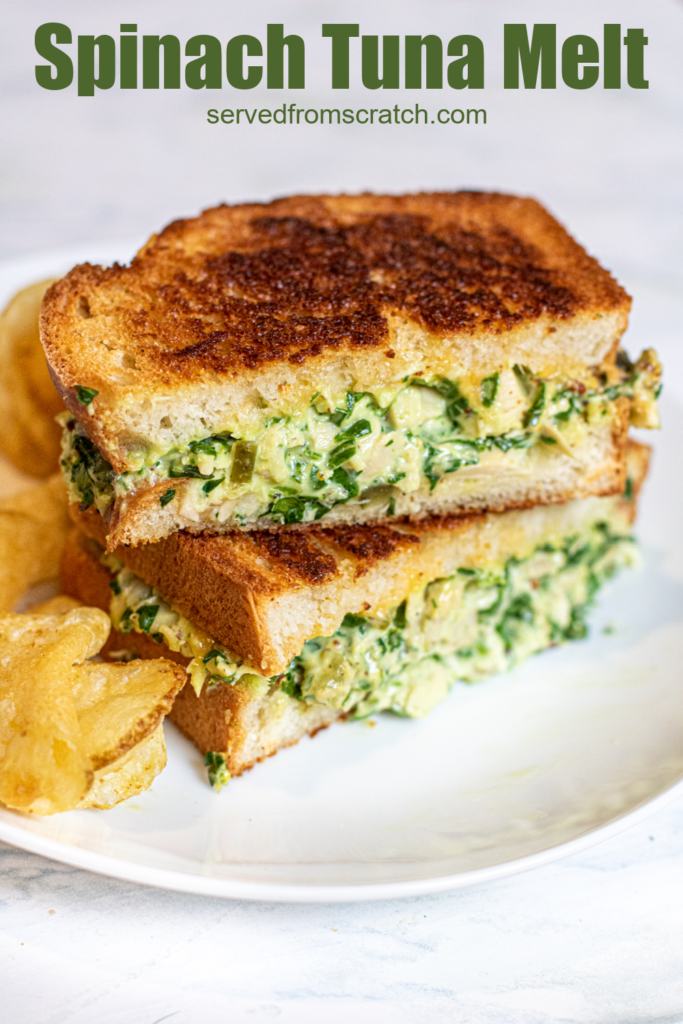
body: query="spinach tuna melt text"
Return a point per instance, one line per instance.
(366, 448)
(464, 627)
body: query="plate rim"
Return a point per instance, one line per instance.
(283, 892)
(12, 270)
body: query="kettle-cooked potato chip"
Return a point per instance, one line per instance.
(30, 438)
(133, 774)
(120, 703)
(33, 528)
(43, 764)
(63, 718)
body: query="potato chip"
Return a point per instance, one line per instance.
(120, 703)
(43, 766)
(63, 718)
(132, 775)
(30, 438)
(33, 528)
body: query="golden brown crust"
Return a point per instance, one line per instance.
(323, 271)
(240, 288)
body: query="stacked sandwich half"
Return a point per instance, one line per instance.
(334, 454)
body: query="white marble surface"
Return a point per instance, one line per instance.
(595, 938)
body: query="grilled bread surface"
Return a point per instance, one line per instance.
(264, 594)
(269, 303)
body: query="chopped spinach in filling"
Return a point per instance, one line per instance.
(365, 448)
(464, 627)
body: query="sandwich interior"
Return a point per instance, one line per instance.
(511, 438)
(404, 657)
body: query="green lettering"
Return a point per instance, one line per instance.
(128, 59)
(206, 71)
(635, 42)
(151, 45)
(612, 56)
(370, 62)
(577, 52)
(340, 36)
(433, 48)
(275, 59)
(237, 48)
(541, 51)
(64, 69)
(472, 61)
(106, 76)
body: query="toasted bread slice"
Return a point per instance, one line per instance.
(250, 330)
(264, 594)
(271, 303)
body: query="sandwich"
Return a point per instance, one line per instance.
(336, 361)
(281, 633)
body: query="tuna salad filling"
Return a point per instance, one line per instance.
(461, 628)
(363, 448)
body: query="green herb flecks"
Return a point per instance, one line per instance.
(525, 379)
(211, 485)
(217, 770)
(345, 443)
(489, 389)
(533, 415)
(214, 655)
(353, 621)
(211, 445)
(290, 509)
(456, 404)
(179, 470)
(146, 616)
(347, 479)
(574, 402)
(290, 681)
(90, 473)
(166, 497)
(448, 458)
(505, 442)
(519, 610)
(400, 620)
(85, 395)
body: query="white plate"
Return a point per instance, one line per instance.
(574, 746)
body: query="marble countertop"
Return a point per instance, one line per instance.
(597, 937)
